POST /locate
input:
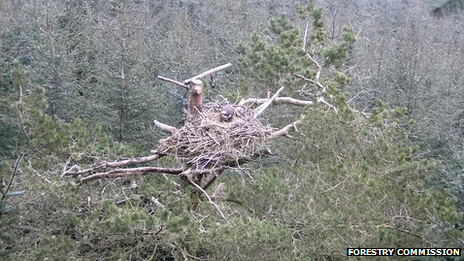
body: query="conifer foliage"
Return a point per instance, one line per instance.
(343, 178)
(351, 179)
(447, 8)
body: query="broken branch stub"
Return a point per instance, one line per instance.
(264, 106)
(195, 100)
(165, 127)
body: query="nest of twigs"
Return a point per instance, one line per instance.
(208, 141)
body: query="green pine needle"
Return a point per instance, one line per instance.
(447, 8)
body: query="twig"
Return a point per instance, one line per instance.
(315, 62)
(406, 231)
(334, 187)
(194, 257)
(45, 180)
(12, 175)
(20, 113)
(316, 82)
(208, 180)
(217, 142)
(322, 100)
(305, 35)
(187, 175)
(28, 228)
(151, 232)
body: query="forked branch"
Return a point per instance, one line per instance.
(188, 175)
(264, 106)
(285, 130)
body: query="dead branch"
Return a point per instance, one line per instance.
(115, 173)
(165, 127)
(406, 232)
(305, 35)
(316, 63)
(215, 70)
(318, 73)
(173, 81)
(209, 179)
(285, 130)
(186, 82)
(188, 175)
(113, 164)
(23, 227)
(264, 106)
(316, 82)
(322, 100)
(287, 100)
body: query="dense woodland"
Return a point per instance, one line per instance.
(379, 163)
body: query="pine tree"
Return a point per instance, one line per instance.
(447, 7)
(347, 176)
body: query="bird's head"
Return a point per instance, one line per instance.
(227, 112)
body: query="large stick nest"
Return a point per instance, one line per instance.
(208, 141)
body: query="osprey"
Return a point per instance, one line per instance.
(227, 113)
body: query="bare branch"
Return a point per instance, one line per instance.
(217, 69)
(322, 100)
(188, 175)
(12, 175)
(208, 180)
(115, 173)
(264, 106)
(285, 130)
(305, 35)
(112, 165)
(406, 232)
(287, 100)
(173, 81)
(165, 127)
(324, 88)
(23, 227)
(315, 62)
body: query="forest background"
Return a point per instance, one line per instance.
(78, 86)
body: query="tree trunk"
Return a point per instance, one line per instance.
(195, 101)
